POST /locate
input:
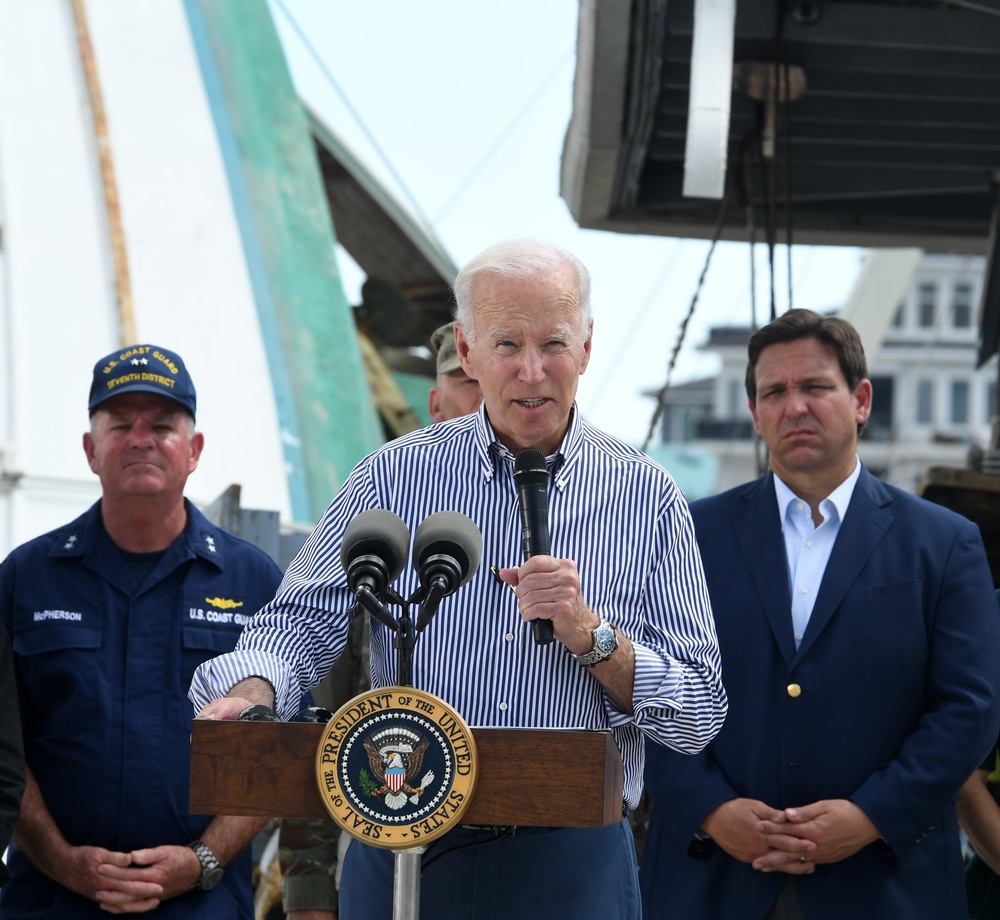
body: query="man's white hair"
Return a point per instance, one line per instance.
(521, 260)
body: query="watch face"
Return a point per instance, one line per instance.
(210, 878)
(604, 639)
(211, 870)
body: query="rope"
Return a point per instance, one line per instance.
(119, 253)
(662, 392)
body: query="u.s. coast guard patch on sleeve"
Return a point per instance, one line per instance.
(396, 767)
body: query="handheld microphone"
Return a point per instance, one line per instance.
(373, 553)
(446, 549)
(531, 476)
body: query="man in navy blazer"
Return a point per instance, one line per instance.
(860, 643)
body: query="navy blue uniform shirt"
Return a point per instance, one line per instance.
(103, 668)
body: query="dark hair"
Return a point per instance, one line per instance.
(836, 333)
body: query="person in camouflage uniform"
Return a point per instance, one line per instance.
(308, 849)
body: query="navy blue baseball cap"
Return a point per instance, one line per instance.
(142, 369)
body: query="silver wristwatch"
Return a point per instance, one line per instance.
(605, 642)
(211, 868)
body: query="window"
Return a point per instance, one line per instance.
(925, 402)
(960, 401)
(897, 318)
(991, 401)
(736, 399)
(879, 426)
(961, 306)
(926, 303)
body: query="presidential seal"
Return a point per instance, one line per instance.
(396, 767)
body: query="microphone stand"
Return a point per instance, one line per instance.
(443, 570)
(406, 635)
(406, 865)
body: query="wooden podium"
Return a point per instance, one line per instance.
(529, 777)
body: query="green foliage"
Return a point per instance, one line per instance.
(368, 784)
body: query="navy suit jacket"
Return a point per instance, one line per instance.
(897, 679)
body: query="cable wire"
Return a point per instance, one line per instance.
(641, 314)
(661, 394)
(328, 75)
(964, 4)
(503, 136)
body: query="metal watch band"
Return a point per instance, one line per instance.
(211, 868)
(599, 653)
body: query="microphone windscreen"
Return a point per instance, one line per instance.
(377, 532)
(451, 534)
(529, 466)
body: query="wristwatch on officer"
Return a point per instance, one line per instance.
(605, 642)
(211, 869)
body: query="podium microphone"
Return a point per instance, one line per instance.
(446, 549)
(531, 476)
(373, 553)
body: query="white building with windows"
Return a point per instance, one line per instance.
(931, 406)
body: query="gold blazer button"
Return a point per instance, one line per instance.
(794, 690)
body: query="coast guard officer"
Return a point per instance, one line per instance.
(109, 616)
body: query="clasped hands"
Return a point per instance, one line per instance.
(792, 840)
(126, 883)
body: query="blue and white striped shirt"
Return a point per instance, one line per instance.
(612, 510)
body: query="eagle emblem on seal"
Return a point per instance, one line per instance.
(396, 756)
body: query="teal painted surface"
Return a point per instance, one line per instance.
(693, 469)
(266, 312)
(327, 414)
(415, 388)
